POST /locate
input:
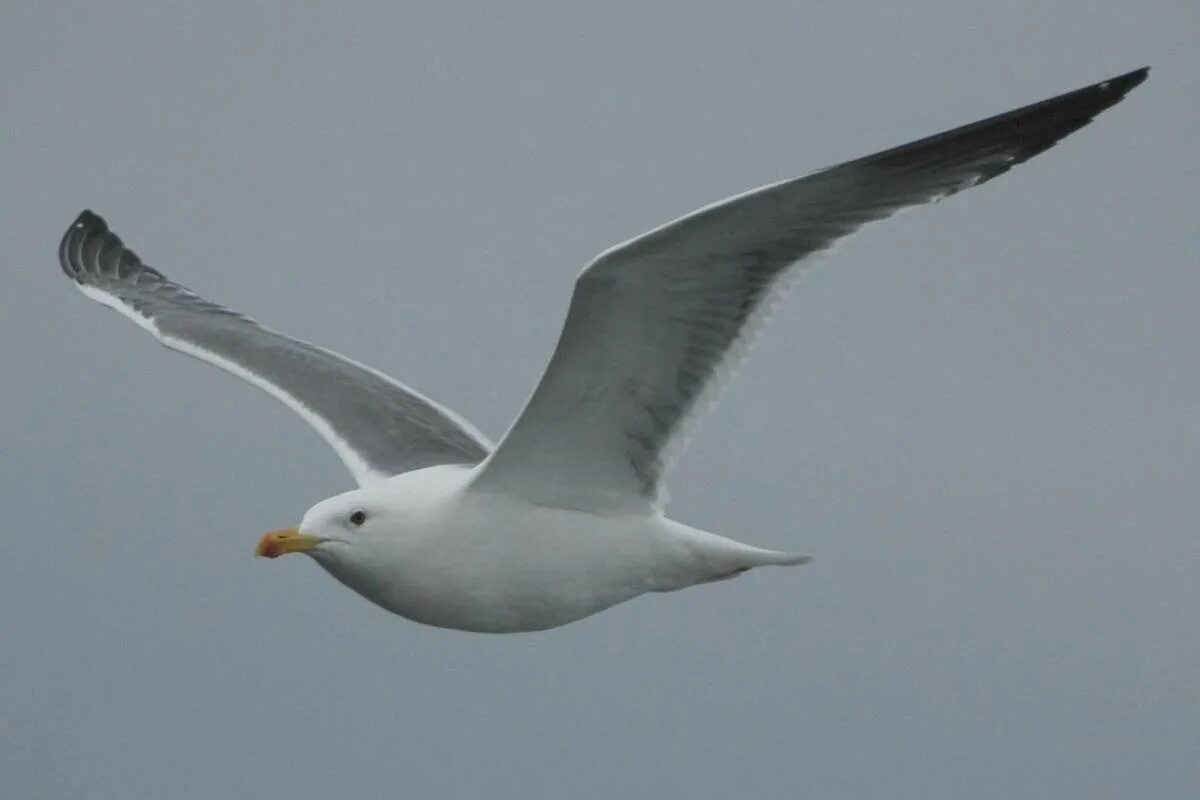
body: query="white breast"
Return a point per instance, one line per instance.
(495, 563)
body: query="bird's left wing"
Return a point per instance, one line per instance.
(655, 323)
(377, 426)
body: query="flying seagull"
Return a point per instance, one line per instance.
(564, 517)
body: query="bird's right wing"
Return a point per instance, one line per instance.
(377, 426)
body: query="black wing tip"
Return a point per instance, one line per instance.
(87, 217)
(1052, 120)
(88, 221)
(1110, 92)
(1013, 137)
(88, 226)
(89, 251)
(1123, 84)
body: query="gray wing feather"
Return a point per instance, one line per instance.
(378, 426)
(656, 322)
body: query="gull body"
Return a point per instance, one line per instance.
(436, 552)
(565, 516)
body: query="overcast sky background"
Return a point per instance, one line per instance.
(983, 417)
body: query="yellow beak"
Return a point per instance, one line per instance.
(285, 540)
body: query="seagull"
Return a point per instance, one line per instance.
(565, 517)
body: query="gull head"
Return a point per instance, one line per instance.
(332, 529)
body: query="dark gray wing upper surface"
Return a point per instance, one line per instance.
(378, 426)
(655, 323)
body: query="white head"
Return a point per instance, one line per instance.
(335, 529)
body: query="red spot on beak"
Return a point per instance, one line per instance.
(268, 546)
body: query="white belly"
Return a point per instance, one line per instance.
(492, 563)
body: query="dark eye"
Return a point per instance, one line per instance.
(358, 518)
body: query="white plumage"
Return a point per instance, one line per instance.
(565, 516)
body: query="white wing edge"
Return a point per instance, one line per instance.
(359, 469)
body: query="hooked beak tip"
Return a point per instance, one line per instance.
(266, 548)
(276, 543)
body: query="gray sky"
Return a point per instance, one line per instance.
(983, 417)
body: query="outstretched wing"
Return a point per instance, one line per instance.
(655, 323)
(378, 426)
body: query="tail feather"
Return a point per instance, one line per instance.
(718, 557)
(747, 558)
(779, 558)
